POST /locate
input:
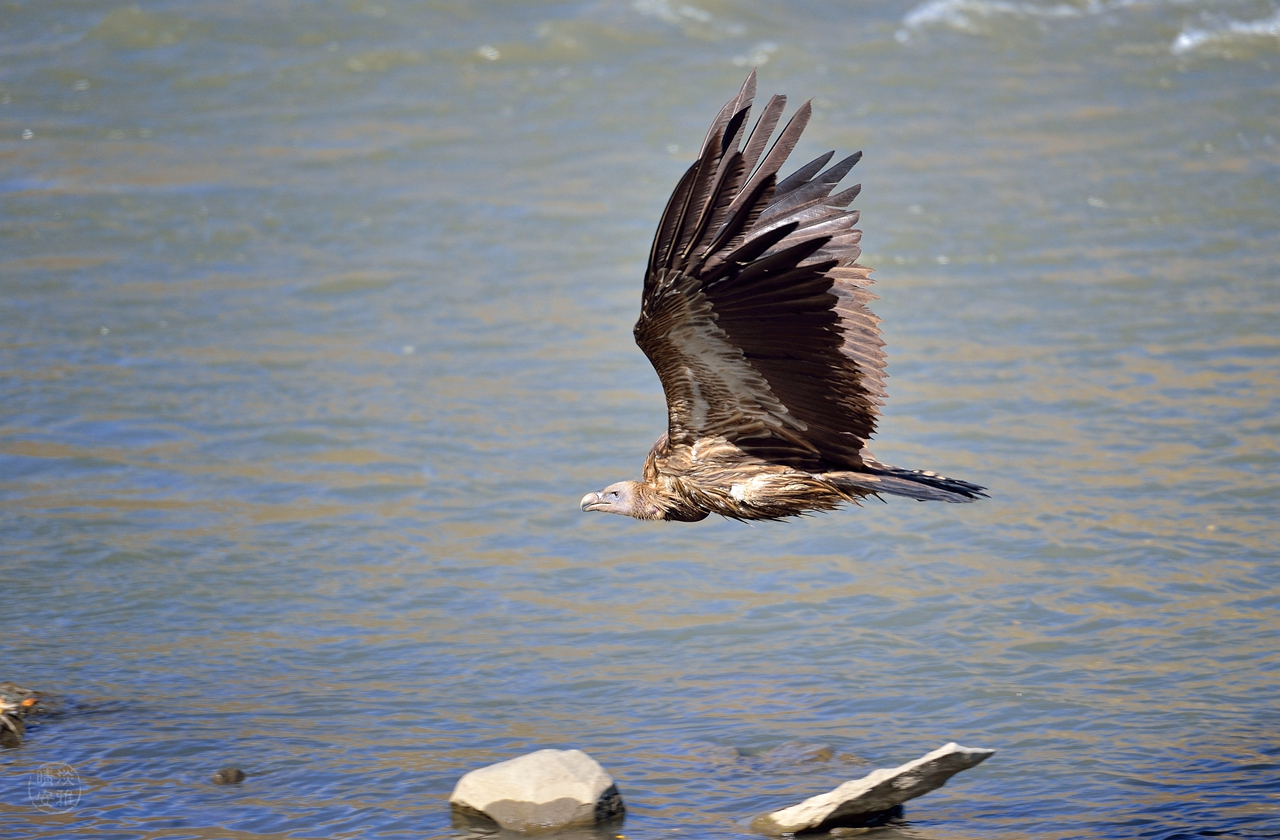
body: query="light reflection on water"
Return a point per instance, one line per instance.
(244, 526)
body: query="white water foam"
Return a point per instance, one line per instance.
(963, 14)
(1224, 32)
(1214, 30)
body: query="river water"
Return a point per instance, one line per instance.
(315, 326)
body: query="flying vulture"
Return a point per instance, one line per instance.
(754, 314)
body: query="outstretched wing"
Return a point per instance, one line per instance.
(754, 308)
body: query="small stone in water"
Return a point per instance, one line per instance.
(228, 776)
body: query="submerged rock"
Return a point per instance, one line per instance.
(799, 759)
(798, 752)
(539, 791)
(873, 798)
(797, 756)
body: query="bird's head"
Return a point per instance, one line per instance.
(626, 498)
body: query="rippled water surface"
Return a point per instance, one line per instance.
(315, 325)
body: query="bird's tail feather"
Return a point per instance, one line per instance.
(922, 485)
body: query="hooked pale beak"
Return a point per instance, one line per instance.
(592, 501)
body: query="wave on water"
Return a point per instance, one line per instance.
(1224, 32)
(961, 14)
(1215, 30)
(693, 20)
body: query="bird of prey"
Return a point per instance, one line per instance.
(754, 314)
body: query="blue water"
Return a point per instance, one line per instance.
(315, 324)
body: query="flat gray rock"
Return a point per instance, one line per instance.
(540, 791)
(860, 801)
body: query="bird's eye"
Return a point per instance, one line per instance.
(612, 494)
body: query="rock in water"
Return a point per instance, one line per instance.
(539, 791)
(862, 801)
(228, 776)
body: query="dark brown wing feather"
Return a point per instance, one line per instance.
(754, 308)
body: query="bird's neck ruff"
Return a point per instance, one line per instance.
(656, 502)
(646, 502)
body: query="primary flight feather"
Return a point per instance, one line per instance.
(754, 314)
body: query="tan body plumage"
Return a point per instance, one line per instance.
(754, 316)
